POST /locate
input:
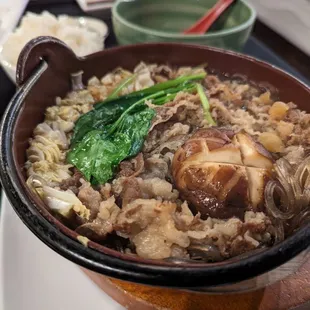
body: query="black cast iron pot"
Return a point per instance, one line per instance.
(43, 72)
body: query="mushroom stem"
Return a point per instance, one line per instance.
(76, 81)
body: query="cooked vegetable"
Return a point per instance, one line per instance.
(108, 111)
(171, 93)
(205, 104)
(221, 173)
(169, 84)
(64, 202)
(271, 141)
(278, 110)
(98, 154)
(116, 128)
(99, 118)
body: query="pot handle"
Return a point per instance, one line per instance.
(41, 48)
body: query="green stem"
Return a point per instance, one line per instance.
(158, 87)
(120, 87)
(158, 94)
(163, 100)
(152, 96)
(163, 86)
(171, 95)
(173, 83)
(205, 104)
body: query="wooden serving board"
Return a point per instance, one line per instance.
(287, 294)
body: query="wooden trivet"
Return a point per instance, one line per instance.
(286, 294)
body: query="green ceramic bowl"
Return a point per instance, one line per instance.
(139, 21)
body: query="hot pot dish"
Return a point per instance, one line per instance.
(167, 162)
(164, 164)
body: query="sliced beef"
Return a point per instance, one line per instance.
(132, 167)
(90, 198)
(73, 183)
(131, 191)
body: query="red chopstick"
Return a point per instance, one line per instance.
(204, 24)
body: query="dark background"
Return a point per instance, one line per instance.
(264, 44)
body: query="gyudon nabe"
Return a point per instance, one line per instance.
(173, 163)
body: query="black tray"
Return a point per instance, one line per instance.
(258, 49)
(253, 47)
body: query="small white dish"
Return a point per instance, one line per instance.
(92, 24)
(95, 5)
(34, 277)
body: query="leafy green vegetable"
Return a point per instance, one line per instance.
(136, 126)
(205, 104)
(99, 118)
(136, 105)
(182, 80)
(109, 111)
(97, 157)
(116, 128)
(98, 154)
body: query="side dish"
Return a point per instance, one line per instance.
(83, 35)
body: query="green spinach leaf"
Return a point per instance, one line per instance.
(98, 154)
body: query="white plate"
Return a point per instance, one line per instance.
(10, 13)
(91, 23)
(33, 277)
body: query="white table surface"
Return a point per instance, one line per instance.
(290, 18)
(33, 277)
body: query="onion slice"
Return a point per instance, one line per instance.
(293, 187)
(273, 187)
